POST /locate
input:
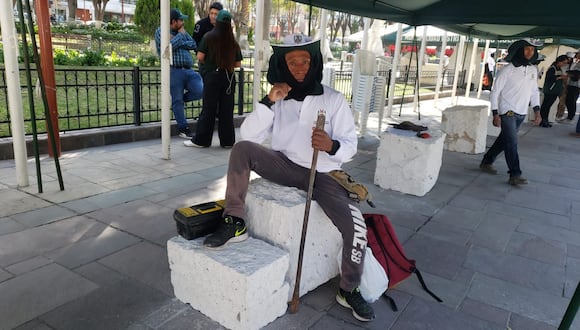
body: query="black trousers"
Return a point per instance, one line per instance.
(571, 97)
(218, 102)
(549, 99)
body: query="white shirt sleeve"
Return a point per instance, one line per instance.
(257, 126)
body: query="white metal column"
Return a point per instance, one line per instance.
(258, 51)
(485, 55)
(166, 58)
(440, 68)
(458, 65)
(10, 45)
(420, 59)
(471, 67)
(396, 60)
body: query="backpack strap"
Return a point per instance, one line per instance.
(420, 277)
(391, 302)
(413, 270)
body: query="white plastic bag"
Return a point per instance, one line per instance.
(374, 281)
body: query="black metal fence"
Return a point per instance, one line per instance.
(96, 98)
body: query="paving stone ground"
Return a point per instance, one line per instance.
(94, 256)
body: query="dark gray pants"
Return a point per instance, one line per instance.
(276, 167)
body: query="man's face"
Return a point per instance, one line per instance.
(176, 24)
(213, 15)
(298, 62)
(529, 52)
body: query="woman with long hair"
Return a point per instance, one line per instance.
(218, 54)
(553, 86)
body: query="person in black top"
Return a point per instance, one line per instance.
(553, 85)
(220, 53)
(205, 25)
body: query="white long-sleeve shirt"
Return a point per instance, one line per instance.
(290, 123)
(515, 89)
(575, 83)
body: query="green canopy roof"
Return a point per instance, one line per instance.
(490, 19)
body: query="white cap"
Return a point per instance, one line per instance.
(296, 39)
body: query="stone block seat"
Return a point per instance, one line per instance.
(247, 285)
(466, 128)
(275, 214)
(242, 286)
(407, 163)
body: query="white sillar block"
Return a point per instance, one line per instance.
(407, 163)
(466, 128)
(241, 286)
(275, 214)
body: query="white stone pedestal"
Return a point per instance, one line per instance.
(241, 286)
(407, 163)
(275, 214)
(466, 128)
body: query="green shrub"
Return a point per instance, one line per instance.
(116, 60)
(147, 60)
(92, 58)
(21, 53)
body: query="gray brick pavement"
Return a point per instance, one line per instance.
(93, 256)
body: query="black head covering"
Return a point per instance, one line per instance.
(278, 71)
(516, 52)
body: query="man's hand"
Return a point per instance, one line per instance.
(496, 121)
(279, 91)
(321, 140)
(537, 118)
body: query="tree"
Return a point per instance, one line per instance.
(242, 18)
(99, 6)
(148, 15)
(72, 10)
(202, 7)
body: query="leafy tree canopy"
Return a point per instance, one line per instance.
(148, 15)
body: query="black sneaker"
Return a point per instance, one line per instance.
(361, 310)
(185, 133)
(231, 230)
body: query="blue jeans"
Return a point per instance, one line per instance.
(507, 141)
(186, 86)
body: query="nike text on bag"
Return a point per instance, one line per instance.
(389, 253)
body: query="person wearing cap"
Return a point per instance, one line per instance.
(286, 118)
(220, 53)
(553, 86)
(185, 84)
(206, 24)
(514, 90)
(573, 88)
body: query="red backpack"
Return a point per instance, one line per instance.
(389, 253)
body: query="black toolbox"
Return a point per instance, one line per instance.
(198, 220)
